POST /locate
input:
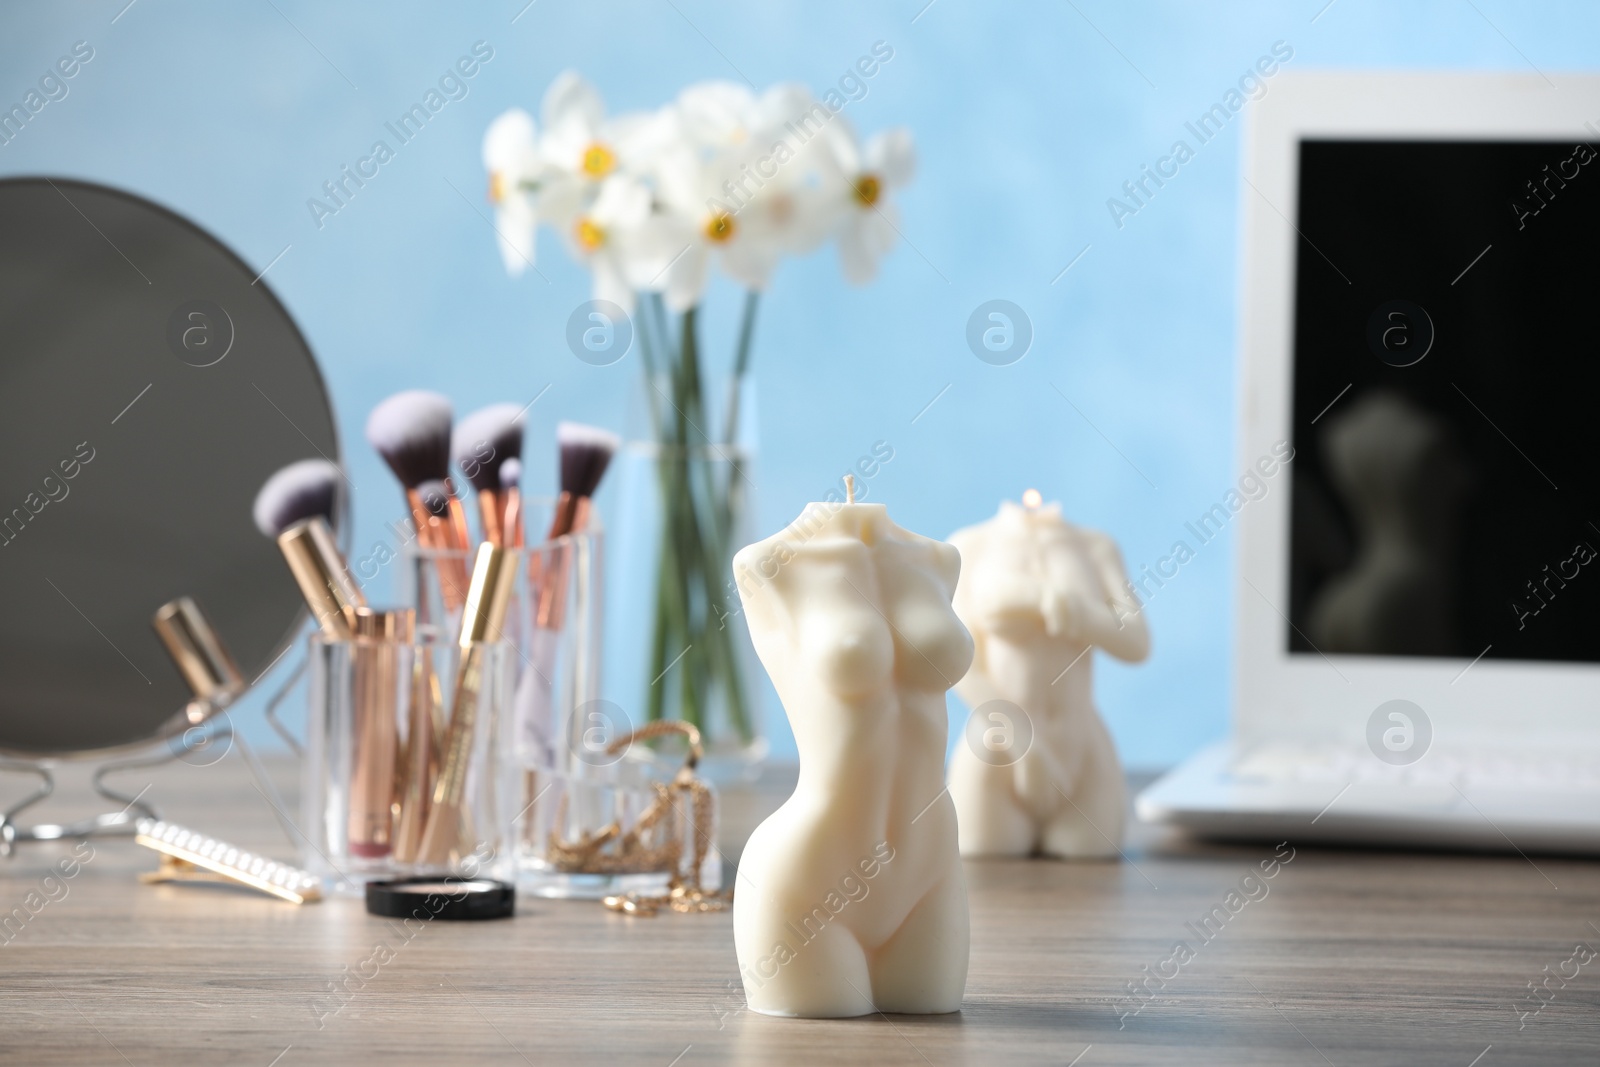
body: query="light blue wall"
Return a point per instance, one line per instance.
(1027, 118)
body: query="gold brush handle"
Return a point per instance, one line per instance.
(421, 753)
(439, 840)
(463, 720)
(488, 597)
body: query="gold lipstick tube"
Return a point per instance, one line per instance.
(199, 653)
(374, 729)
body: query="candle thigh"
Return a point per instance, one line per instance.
(850, 898)
(1038, 772)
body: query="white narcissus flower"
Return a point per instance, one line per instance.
(715, 115)
(582, 148)
(868, 230)
(511, 156)
(768, 167)
(650, 200)
(742, 186)
(796, 200)
(607, 236)
(690, 227)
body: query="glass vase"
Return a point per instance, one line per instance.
(675, 619)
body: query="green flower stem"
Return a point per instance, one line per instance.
(690, 635)
(721, 656)
(647, 354)
(731, 497)
(679, 547)
(668, 624)
(655, 696)
(694, 681)
(741, 363)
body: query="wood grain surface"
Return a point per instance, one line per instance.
(1345, 957)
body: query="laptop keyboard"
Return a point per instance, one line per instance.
(1277, 762)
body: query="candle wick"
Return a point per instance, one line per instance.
(850, 488)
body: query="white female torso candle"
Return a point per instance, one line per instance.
(851, 897)
(1037, 772)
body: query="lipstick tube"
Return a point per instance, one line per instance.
(374, 729)
(199, 654)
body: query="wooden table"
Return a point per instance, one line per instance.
(1351, 957)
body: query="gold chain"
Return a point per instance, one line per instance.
(653, 842)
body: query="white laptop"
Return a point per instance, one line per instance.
(1417, 594)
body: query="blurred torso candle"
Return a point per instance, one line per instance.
(851, 897)
(1036, 771)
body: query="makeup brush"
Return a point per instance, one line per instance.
(585, 454)
(411, 431)
(304, 488)
(511, 485)
(481, 445)
(294, 507)
(435, 500)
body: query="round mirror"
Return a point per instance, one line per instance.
(150, 383)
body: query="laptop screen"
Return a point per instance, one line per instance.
(1446, 415)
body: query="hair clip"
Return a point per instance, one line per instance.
(187, 856)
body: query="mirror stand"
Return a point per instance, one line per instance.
(125, 823)
(122, 823)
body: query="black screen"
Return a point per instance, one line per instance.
(1446, 413)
